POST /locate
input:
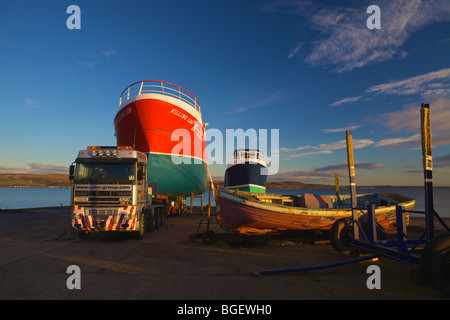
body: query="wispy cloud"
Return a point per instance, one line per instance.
(343, 129)
(347, 43)
(323, 174)
(408, 120)
(429, 85)
(84, 64)
(324, 148)
(31, 103)
(109, 52)
(295, 50)
(257, 103)
(345, 100)
(411, 141)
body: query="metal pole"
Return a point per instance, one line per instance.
(425, 122)
(351, 174)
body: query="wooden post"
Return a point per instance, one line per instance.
(209, 202)
(201, 202)
(351, 174)
(336, 186)
(192, 200)
(425, 122)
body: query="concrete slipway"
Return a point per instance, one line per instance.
(38, 245)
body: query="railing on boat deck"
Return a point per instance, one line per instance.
(160, 87)
(241, 156)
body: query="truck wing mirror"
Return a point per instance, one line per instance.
(71, 172)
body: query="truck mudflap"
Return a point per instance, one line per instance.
(104, 219)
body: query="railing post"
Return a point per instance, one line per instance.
(128, 93)
(401, 229)
(372, 223)
(140, 89)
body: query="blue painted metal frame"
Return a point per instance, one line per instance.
(401, 249)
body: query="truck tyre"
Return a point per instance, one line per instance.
(151, 220)
(142, 226)
(84, 235)
(342, 231)
(161, 217)
(157, 218)
(435, 263)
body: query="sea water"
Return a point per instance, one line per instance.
(15, 198)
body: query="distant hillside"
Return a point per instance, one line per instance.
(34, 180)
(290, 185)
(62, 181)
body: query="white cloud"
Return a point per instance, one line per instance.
(326, 148)
(109, 52)
(32, 103)
(347, 43)
(257, 102)
(345, 100)
(295, 50)
(408, 119)
(349, 127)
(428, 82)
(429, 85)
(84, 64)
(399, 141)
(323, 174)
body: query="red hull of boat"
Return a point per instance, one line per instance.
(149, 126)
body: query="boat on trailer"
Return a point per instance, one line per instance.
(265, 212)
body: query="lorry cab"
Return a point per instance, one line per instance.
(110, 191)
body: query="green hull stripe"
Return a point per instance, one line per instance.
(177, 179)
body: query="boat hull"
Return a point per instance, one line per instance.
(248, 176)
(171, 133)
(243, 213)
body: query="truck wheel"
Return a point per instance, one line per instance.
(435, 263)
(84, 234)
(157, 218)
(342, 231)
(151, 220)
(163, 216)
(142, 226)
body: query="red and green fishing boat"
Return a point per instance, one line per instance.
(164, 121)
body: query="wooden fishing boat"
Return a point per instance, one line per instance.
(246, 211)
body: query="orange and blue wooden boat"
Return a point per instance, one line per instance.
(247, 211)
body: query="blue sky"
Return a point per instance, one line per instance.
(311, 69)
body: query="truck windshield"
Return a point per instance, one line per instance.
(105, 171)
